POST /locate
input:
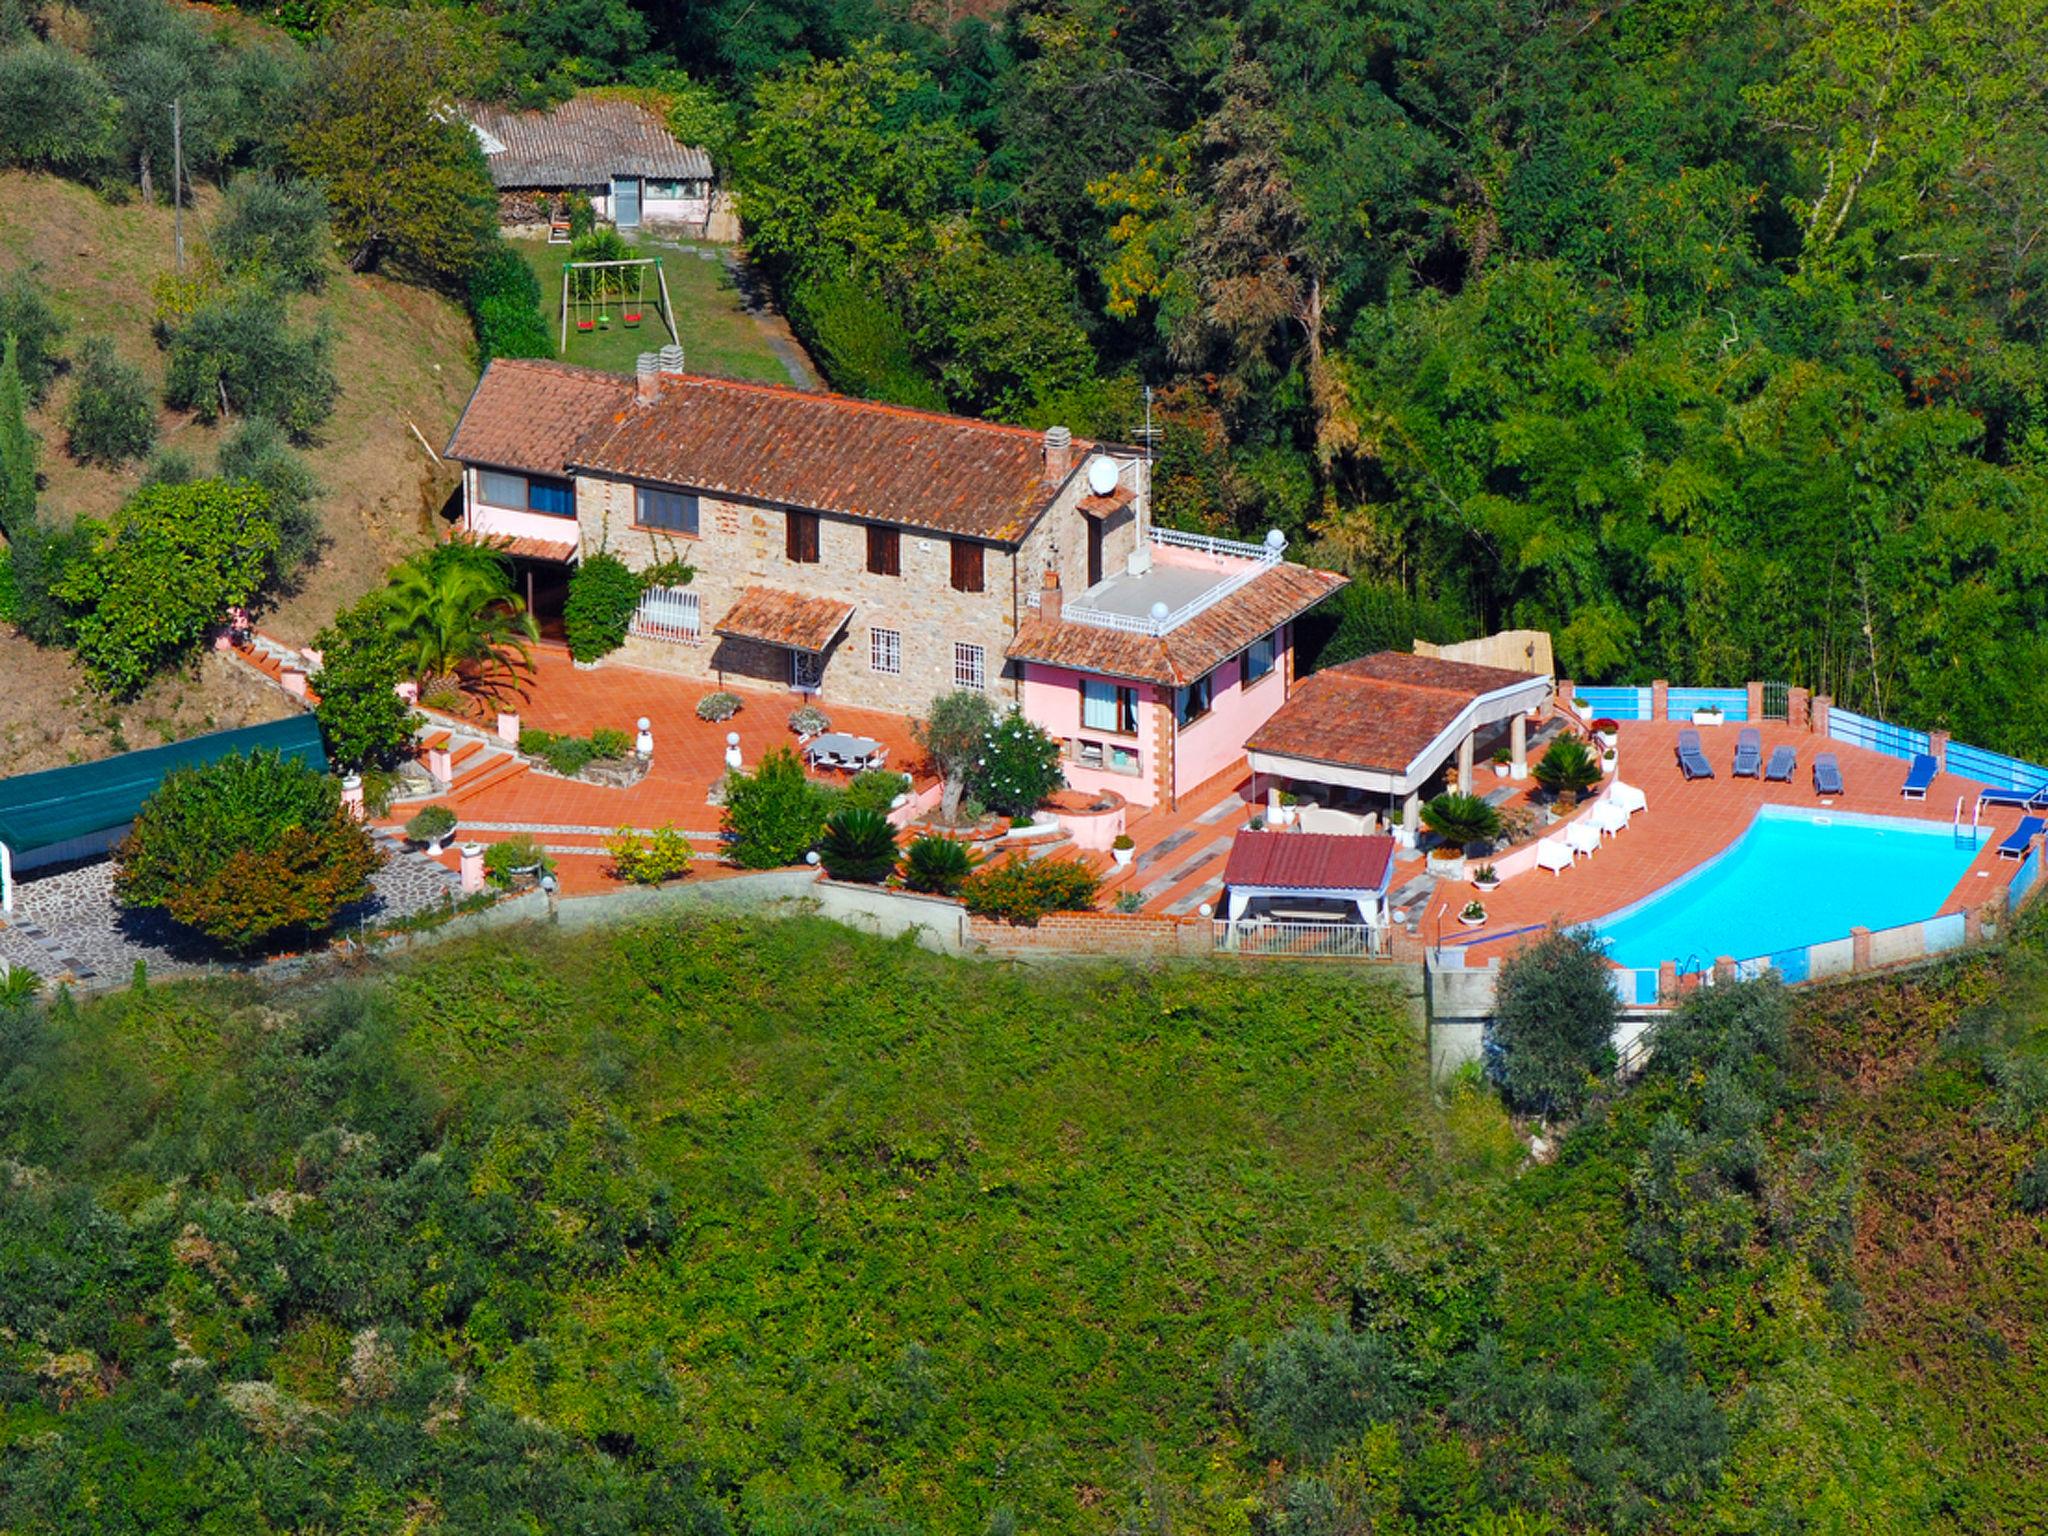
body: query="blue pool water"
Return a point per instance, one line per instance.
(1794, 878)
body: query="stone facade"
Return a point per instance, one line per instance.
(740, 545)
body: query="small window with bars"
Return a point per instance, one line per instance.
(969, 666)
(669, 613)
(885, 651)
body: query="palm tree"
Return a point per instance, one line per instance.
(454, 613)
(1461, 820)
(1568, 767)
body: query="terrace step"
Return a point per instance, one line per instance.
(501, 769)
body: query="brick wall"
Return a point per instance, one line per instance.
(1096, 933)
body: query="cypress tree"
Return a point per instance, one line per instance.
(17, 449)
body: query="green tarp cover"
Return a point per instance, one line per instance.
(59, 804)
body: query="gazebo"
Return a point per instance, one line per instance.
(1308, 877)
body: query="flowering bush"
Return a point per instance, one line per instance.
(1024, 890)
(718, 706)
(1018, 766)
(662, 857)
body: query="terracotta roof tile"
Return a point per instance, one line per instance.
(1104, 506)
(1379, 712)
(530, 415)
(785, 618)
(1276, 597)
(1309, 861)
(794, 447)
(522, 549)
(584, 142)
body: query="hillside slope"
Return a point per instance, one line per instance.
(403, 357)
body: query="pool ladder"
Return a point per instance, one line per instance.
(1976, 820)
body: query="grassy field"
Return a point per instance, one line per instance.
(717, 334)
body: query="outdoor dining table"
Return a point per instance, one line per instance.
(838, 747)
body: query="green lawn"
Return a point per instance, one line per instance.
(717, 334)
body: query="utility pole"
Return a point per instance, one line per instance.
(178, 179)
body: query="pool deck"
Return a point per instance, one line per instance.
(1689, 823)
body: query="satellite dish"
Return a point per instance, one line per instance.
(1102, 477)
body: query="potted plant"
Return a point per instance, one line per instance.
(1608, 760)
(718, 706)
(431, 826)
(1123, 850)
(1609, 732)
(1485, 878)
(1472, 915)
(1568, 769)
(1459, 821)
(1404, 835)
(1503, 762)
(1709, 715)
(808, 721)
(516, 863)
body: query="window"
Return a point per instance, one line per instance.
(802, 537)
(1258, 656)
(966, 566)
(1106, 707)
(1192, 702)
(501, 490)
(969, 669)
(885, 651)
(1122, 759)
(1097, 754)
(669, 613)
(885, 550)
(555, 496)
(1088, 753)
(671, 511)
(530, 493)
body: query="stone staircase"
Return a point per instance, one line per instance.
(475, 763)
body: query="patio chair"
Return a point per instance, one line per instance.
(1749, 754)
(1554, 855)
(1582, 837)
(1783, 764)
(1827, 775)
(2021, 838)
(1692, 762)
(1628, 797)
(1919, 776)
(1607, 818)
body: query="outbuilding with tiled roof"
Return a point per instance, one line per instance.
(1308, 877)
(615, 151)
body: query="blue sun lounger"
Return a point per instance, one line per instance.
(1784, 761)
(1692, 762)
(2022, 838)
(1919, 776)
(2026, 799)
(1749, 754)
(1827, 775)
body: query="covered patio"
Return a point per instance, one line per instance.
(1308, 877)
(1388, 724)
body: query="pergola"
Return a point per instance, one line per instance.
(1308, 877)
(1388, 723)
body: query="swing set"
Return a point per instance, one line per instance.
(593, 291)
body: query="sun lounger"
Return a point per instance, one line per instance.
(2026, 799)
(1582, 837)
(1827, 775)
(2022, 838)
(1784, 762)
(1749, 753)
(1552, 854)
(1628, 797)
(1692, 762)
(1919, 776)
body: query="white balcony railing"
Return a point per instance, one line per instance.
(1301, 941)
(1249, 562)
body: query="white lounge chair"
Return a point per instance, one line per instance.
(1582, 837)
(1607, 818)
(1554, 855)
(1628, 797)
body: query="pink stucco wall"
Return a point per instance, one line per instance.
(1216, 741)
(1052, 699)
(514, 524)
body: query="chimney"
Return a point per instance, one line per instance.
(1059, 454)
(1052, 601)
(647, 379)
(672, 358)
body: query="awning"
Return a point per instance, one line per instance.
(1103, 507)
(63, 805)
(535, 549)
(787, 619)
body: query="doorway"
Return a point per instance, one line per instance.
(626, 202)
(1094, 552)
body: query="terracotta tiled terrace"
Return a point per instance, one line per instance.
(1688, 823)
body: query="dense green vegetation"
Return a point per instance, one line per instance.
(746, 1227)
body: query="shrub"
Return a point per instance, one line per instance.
(874, 789)
(245, 848)
(20, 449)
(860, 343)
(937, 865)
(56, 112)
(859, 844)
(1017, 767)
(1568, 766)
(273, 231)
(257, 454)
(1313, 1388)
(1553, 1022)
(664, 856)
(505, 305)
(2031, 1192)
(430, 824)
(111, 419)
(454, 612)
(239, 354)
(603, 596)
(774, 814)
(582, 213)
(601, 245)
(566, 755)
(952, 732)
(37, 561)
(609, 743)
(515, 855)
(809, 720)
(26, 315)
(175, 558)
(718, 706)
(1129, 902)
(1461, 820)
(1022, 890)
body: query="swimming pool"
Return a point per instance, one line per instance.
(1795, 877)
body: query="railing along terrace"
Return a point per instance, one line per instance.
(1256, 558)
(1875, 735)
(1301, 941)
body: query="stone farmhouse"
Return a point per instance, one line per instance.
(877, 556)
(617, 153)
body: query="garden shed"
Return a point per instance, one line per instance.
(617, 153)
(62, 814)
